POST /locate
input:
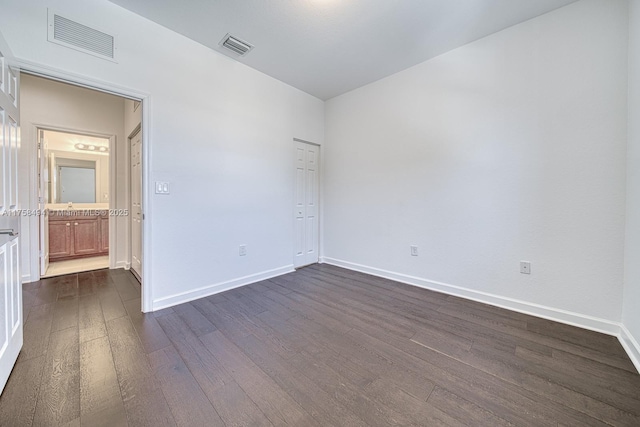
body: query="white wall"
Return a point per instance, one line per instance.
(510, 148)
(219, 132)
(631, 309)
(53, 104)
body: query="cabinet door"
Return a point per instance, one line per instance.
(86, 236)
(59, 239)
(104, 234)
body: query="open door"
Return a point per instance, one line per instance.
(136, 204)
(43, 197)
(10, 282)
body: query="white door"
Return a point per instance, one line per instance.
(305, 210)
(10, 286)
(136, 204)
(43, 197)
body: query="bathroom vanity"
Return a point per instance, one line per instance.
(78, 234)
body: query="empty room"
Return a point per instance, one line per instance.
(320, 213)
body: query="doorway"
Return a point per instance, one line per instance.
(97, 122)
(74, 189)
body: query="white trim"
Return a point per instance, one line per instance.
(64, 76)
(563, 316)
(304, 141)
(219, 287)
(630, 345)
(147, 289)
(321, 203)
(113, 191)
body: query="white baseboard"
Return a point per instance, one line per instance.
(574, 319)
(26, 278)
(219, 287)
(121, 264)
(630, 345)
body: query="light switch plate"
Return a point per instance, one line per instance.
(162, 187)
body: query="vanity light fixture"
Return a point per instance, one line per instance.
(99, 148)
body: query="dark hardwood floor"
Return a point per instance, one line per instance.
(321, 346)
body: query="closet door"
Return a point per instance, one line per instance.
(306, 225)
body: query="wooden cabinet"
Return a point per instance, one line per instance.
(104, 235)
(86, 236)
(59, 239)
(77, 235)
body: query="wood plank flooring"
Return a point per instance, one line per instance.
(322, 346)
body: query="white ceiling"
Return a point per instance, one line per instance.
(329, 47)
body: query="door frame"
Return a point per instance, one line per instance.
(320, 200)
(36, 127)
(56, 74)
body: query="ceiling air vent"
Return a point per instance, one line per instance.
(235, 45)
(74, 35)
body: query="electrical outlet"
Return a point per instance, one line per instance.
(525, 267)
(243, 250)
(414, 250)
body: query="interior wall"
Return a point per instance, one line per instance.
(631, 309)
(49, 103)
(220, 133)
(509, 148)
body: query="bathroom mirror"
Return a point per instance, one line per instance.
(75, 181)
(77, 168)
